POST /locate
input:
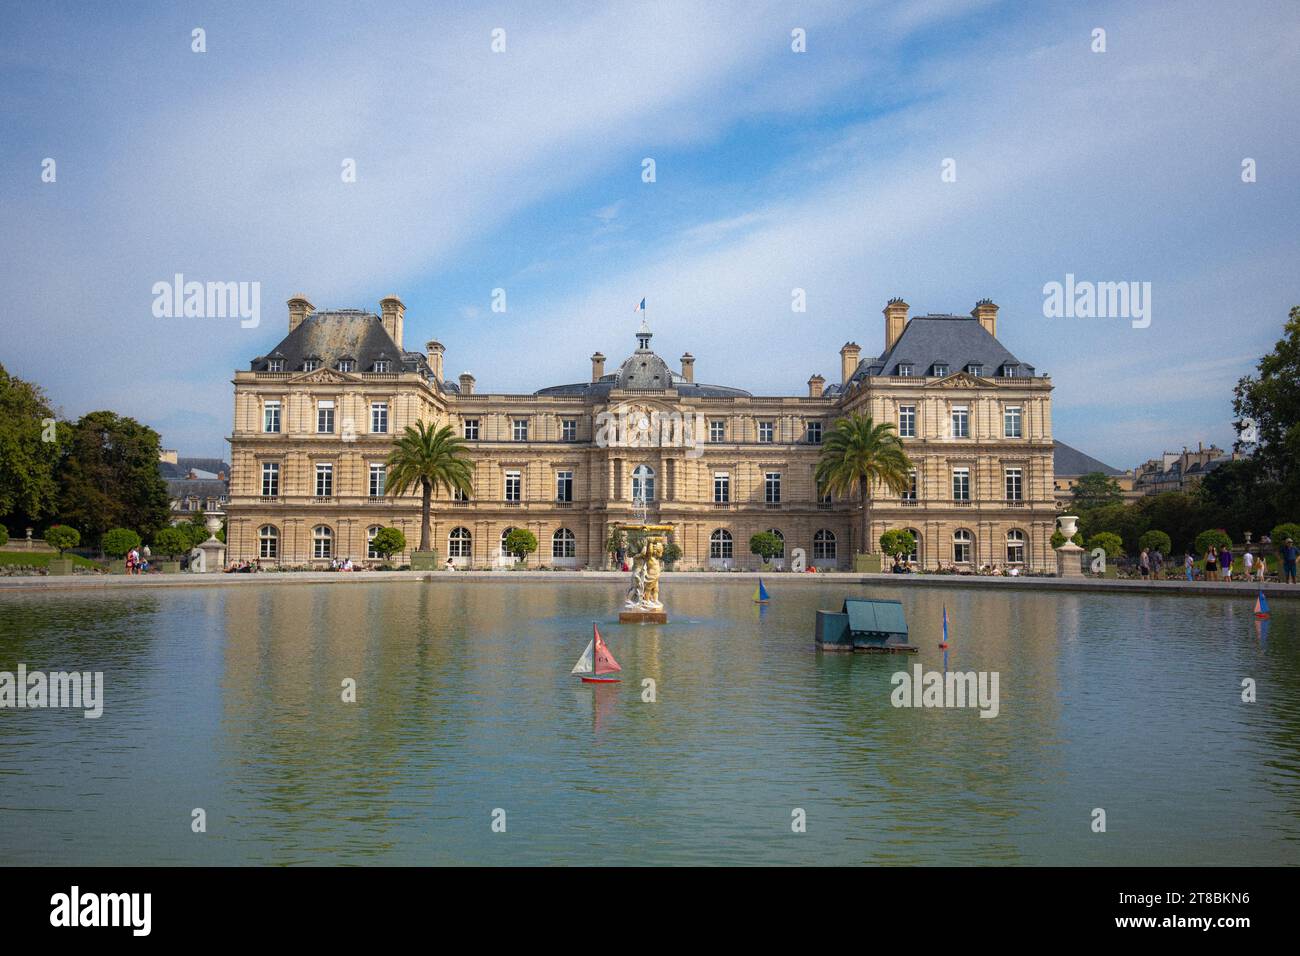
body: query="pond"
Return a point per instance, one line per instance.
(230, 700)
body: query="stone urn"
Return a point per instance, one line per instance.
(213, 551)
(1069, 556)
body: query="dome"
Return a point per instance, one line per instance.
(644, 369)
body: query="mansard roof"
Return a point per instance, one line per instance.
(1067, 460)
(342, 334)
(957, 341)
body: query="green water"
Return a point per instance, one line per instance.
(229, 699)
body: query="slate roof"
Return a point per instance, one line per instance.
(1067, 460)
(342, 334)
(201, 466)
(180, 488)
(956, 341)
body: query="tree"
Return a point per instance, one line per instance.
(428, 459)
(4, 536)
(1108, 542)
(171, 541)
(1267, 406)
(388, 542)
(61, 537)
(898, 542)
(521, 543)
(1285, 530)
(766, 545)
(118, 541)
(1215, 538)
(1155, 541)
(1095, 489)
(615, 543)
(857, 453)
(672, 552)
(1124, 520)
(1179, 514)
(28, 489)
(1234, 498)
(108, 476)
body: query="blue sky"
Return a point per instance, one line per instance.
(774, 170)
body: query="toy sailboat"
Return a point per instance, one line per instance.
(760, 593)
(944, 643)
(1261, 606)
(595, 661)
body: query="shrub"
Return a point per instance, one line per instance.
(1058, 539)
(388, 542)
(118, 541)
(61, 537)
(1288, 529)
(171, 541)
(1155, 541)
(766, 545)
(898, 542)
(1109, 542)
(4, 536)
(1215, 537)
(672, 553)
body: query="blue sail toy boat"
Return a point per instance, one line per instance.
(760, 593)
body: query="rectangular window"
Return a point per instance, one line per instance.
(814, 433)
(458, 495)
(324, 480)
(471, 429)
(909, 494)
(721, 487)
(324, 418)
(270, 479)
(1014, 487)
(382, 366)
(271, 417)
(960, 422)
(310, 365)
(717, 430)
(907, 421)
(275, 365)
(521, 429)
(904, 370)
(961, 484)
(1011, 421)
(513, 486)
(975, 369)
(378, 480)
(940, 369)
(568, 429)
(766, 432)
(564, 486)
(772, 488)
(379, 418)
(346, 365)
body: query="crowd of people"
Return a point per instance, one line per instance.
(1219, 564)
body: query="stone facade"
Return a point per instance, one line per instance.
(315, 418)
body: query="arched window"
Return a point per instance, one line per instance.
(564, 544)
(502, 550)
(1015, 546)
(268, 541)
(373, 530)
(961, 546)
(458, 543)
(322, 542)
(781, 537)
(824, 545)
(915, 556)
(720, 544)
(643, 483)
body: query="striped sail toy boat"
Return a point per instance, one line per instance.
(760, 593)
(596, 660)
(1261, 606)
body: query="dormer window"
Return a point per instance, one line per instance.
(382, 365)
(905, 370)
(310, 365)
(1010, 371)
(347, 365)
(940, 369)
(975, 369)
(275, 365)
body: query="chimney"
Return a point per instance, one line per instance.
(688, 367)
(895, 321)
(597, 366)
(392, 312)
(466, 383)
(987, 313)
(849, 360)
(299, 309)
(435, 350)
(815, 386)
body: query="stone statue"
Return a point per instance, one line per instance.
(647, 564)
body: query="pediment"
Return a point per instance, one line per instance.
(962, 380)
(323, 376)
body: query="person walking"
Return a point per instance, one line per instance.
(1225, 562)
(1247, 564)
(1261, 568)
(1288, 561)
(1189, 565)
(1157, 562)
(1144, 564)
(1211, 564)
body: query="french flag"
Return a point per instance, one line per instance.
(639, 308)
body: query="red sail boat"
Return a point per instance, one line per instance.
(596, 660)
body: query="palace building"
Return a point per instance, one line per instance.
(315, 419)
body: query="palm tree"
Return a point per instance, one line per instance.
(858, 452)
(429, 459)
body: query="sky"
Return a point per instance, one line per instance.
(829, 170)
